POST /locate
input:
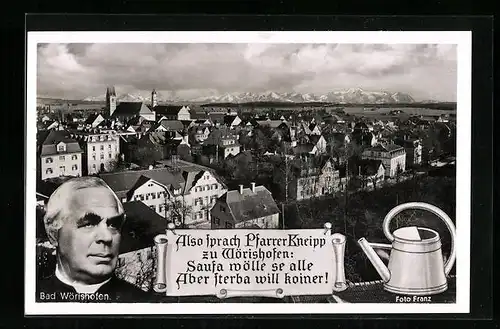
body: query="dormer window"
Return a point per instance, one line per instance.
(61, 147)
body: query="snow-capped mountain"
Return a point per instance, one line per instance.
(352, 96)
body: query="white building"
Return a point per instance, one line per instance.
(101, 149)
(59, 154)
(392, 156)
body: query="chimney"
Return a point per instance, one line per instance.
(241, 189)
(253, 187)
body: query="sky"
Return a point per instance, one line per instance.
(77, 71)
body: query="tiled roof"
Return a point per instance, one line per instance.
(50, 141)
(131, 108)
(122, 182)
(141, 226)
(369, 167)
(171, 125)
(270, 123)
(385, 148)
(303, 148)
(167, 109)
(250, 205)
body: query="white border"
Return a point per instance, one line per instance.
(461, 38)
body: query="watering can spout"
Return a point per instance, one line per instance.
(382, 270)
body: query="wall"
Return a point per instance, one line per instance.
(137, 267)
(204, 189)
(57, 162)
(222, 215)
(269, 222)
(153, 195)
(112, 141)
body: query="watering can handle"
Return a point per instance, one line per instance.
(433, 209)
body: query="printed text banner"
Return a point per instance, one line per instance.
(246, 262)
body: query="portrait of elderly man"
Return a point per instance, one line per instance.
(83, 221)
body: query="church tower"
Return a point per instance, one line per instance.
(110, 100)
(154, 99)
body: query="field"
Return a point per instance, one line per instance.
(384, 112)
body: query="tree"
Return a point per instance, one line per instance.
(399, 172)
(139, 269)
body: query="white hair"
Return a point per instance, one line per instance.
(58, 206)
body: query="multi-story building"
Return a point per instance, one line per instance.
(180, 191)
(137, 254)
(393, 157)
(172, 112)
(252, 207)
(101, 150)
(413, 148)
(59, 154)
(222, 143)
(315, 178)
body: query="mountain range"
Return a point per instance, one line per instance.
(349, 96)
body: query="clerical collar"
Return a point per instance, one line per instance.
(79, 287)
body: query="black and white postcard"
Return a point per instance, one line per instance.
(248, 172)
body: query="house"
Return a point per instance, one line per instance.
(60, 155)
(413, 148)
(364, 138)
(172, 112)
(180, 191)
(94, 120)
(221, 143)
(246, 207)
(370, 172)
(127, 110)
(200, 133)
(169, 125)
(393, 157)
(315, 177)
(319, 142)
(137, 253)
(101, 150)
(314, 128)
(232, 120)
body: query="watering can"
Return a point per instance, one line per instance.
(416, 265)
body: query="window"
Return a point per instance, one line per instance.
(61, 158)
(116, 148)
(74, 157)
(147, 196)
(74, 167)
(62, 169)
(60, 148)
(93, 157)
(124, 199)
(153, 195)
(222, 208)
(93, 148)
(142, 197)
(160, 208)
(102, 156)
(109, 146)
(48, 171)
(102, 147)
(215, 186)
(48, 160)
(153, 207)
(217, 221)
(229, 225)
(109, 155)
(93, 166)
(121, 262)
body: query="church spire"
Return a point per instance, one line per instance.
(154, 99)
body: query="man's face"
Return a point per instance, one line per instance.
(88, 242)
